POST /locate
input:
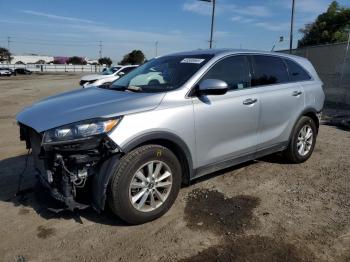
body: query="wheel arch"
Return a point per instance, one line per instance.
(170, 141)
(313, 115)
(310, 112)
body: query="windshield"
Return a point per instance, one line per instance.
(162, 74)
(109, 71)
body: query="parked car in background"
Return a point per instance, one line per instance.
(113, 68)
(108, 76)
(9, 69)
(5, 72)
(23, 71)
(171, 120)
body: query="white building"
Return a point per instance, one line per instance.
(31, 59)
(91, 61)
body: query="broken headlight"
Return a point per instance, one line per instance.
(80, 130)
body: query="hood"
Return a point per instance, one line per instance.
(83, 104)
(95, 77)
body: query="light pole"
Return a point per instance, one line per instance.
(156, 48)
(280, 40)
(212, 21)
(291, 27)
(100, 51)
(8, 42)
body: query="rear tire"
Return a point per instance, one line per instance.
(302, 141)
(145, 184)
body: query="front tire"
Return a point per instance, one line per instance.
(145, 184)
(303, 141)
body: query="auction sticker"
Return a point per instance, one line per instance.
(192, 60)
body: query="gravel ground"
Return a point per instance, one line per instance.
(264, 210)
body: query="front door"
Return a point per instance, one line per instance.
(226, 125)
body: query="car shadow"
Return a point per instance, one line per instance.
(32, 194)
(276, 158)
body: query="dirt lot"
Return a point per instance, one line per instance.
(264, 210)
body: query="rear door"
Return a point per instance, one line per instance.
(226, 125)
(281, 100)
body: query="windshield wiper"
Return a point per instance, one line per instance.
(134, 88)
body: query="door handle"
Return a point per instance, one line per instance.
(250, 101)
(297, 93)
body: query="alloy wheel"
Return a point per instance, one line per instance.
(305, 140)
(150, 186)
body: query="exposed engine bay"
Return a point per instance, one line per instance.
(71, 168)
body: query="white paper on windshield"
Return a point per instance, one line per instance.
(192, 60)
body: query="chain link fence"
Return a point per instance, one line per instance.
(47, 68)
(332, 63)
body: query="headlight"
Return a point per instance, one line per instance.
(79, 130)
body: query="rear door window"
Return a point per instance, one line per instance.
(296, 72)
(268, 70)
(233, 70)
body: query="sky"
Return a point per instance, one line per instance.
(67, 27)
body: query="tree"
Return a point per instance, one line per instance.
(5, 55)
(136, 57)
(75, 60)
(329, 27)
(105, 61)
(40, 62)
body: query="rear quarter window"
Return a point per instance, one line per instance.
(268, 70)
(296, 72)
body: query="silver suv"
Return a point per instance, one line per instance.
(171, 120)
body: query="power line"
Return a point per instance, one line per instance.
(50, 44)
(49, 40)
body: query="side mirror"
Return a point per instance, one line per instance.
(121, 73)
(212, 87)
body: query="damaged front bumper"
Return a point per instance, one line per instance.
(75, 173)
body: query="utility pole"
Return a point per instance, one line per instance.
(156, 48)
(291, 27)
(345, 58)
(8, 42)
(212, 21)
(212, 25)
(100, 52)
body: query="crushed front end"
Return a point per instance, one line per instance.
(73, 170)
